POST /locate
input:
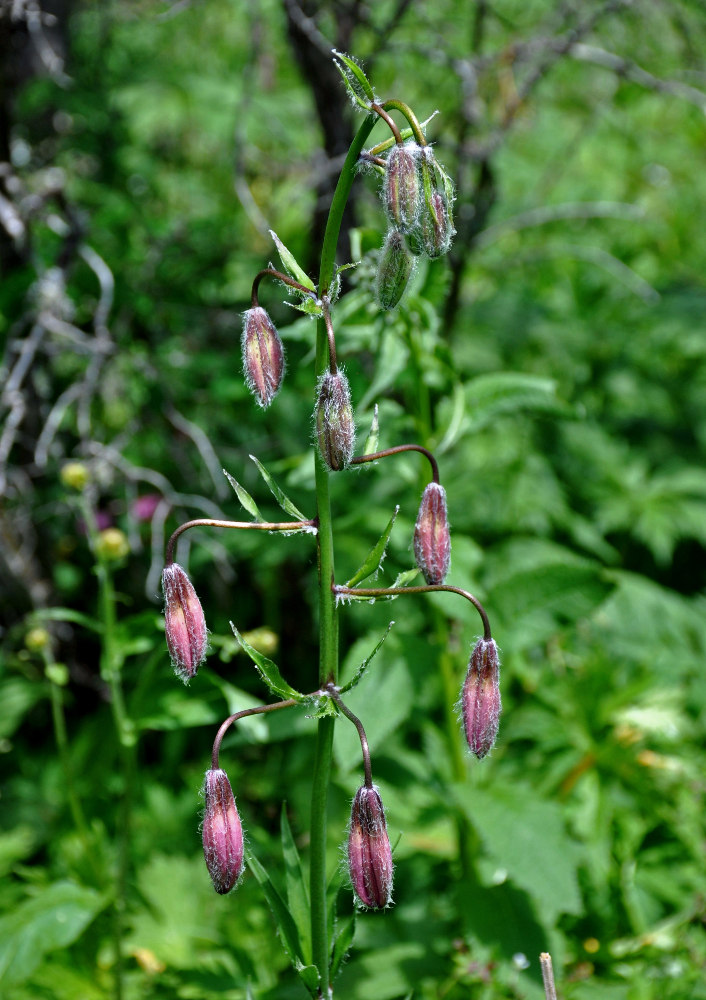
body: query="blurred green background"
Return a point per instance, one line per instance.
(556, 364)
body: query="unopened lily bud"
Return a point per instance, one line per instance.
(369, 854)
(402, 185)
(432, 540)
(222, 832)
(335, 429)
(480, 698)
(394, 268)
(112, 544)
(263, 355)
(436, 225)
(184, 622)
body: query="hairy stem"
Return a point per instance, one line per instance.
(374, 456)
(365, 749)
(429, 588)
(210, 522)
(328, 623)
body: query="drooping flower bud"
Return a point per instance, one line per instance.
(369, 854)
(335, 429)
(480, 698)
(184, 622)
(263, 355)
(432, 540)
(222, 832)
(402, 186)
(394, 268)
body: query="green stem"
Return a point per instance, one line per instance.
(328, 621)
(410, 116)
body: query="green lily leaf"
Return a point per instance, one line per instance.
(290, 264)
(357, 677)
(268, 670)
(375, 557)
(279, 494)
(245, 499)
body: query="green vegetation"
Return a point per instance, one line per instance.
(554, 362)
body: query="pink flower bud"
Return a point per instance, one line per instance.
(263, 355)
(394, 268)
(369, 854)
(184, 622)
(480, 698)
(432, 541)
(436, 226)
(402, 188)
(335, 428)
(222, 832)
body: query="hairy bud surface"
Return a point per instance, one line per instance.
(432, 539)
(222, 832)
(480, 698)
(402, 185)
(335, 429)
(263, 355)
(184, 622)
(394, 268)
(369, 854)
(436, 226)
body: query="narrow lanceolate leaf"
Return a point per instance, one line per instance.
(371, 445)
(405, 577)
(283, 918)
(375, 556)
(309, 975)
(279, 494)
(268, 670)
(357, 83)
(297, 889)
(343, 934)
(245, 499)
(364, 665)
(290, 264)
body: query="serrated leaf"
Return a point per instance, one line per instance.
(527, 837)
(245, 499)
(283, 918)
(297, 890)
(52, 919)
(376, 555)
(290, 264)
(371, 444)
(268, 670)
(357, 677)
(279, 494)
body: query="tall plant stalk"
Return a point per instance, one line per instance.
(328, 620)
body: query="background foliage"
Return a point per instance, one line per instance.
(556, 365)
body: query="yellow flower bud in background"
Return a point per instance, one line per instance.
(112, 544)
(75, 475)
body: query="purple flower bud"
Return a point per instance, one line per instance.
(480, 698)
(335, 428)
(263, 355)
(222, 832)
(394, 268)
(184, 622)
(432, 540)
(402, 187)
(436, 226)
(369, 854)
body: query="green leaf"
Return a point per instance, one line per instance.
(283, 918)
(279, 495)
(290, 264)
(52, 919)
(17, 696)
(297, 890)
(245, 499)
(357, 677)
(375, 557)
(371, 445)
(343, 934)
(66, 615)
(357, 83)
(268, 670)
(488, 396)
(309, 975)
(405, 577)
(527, 838)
